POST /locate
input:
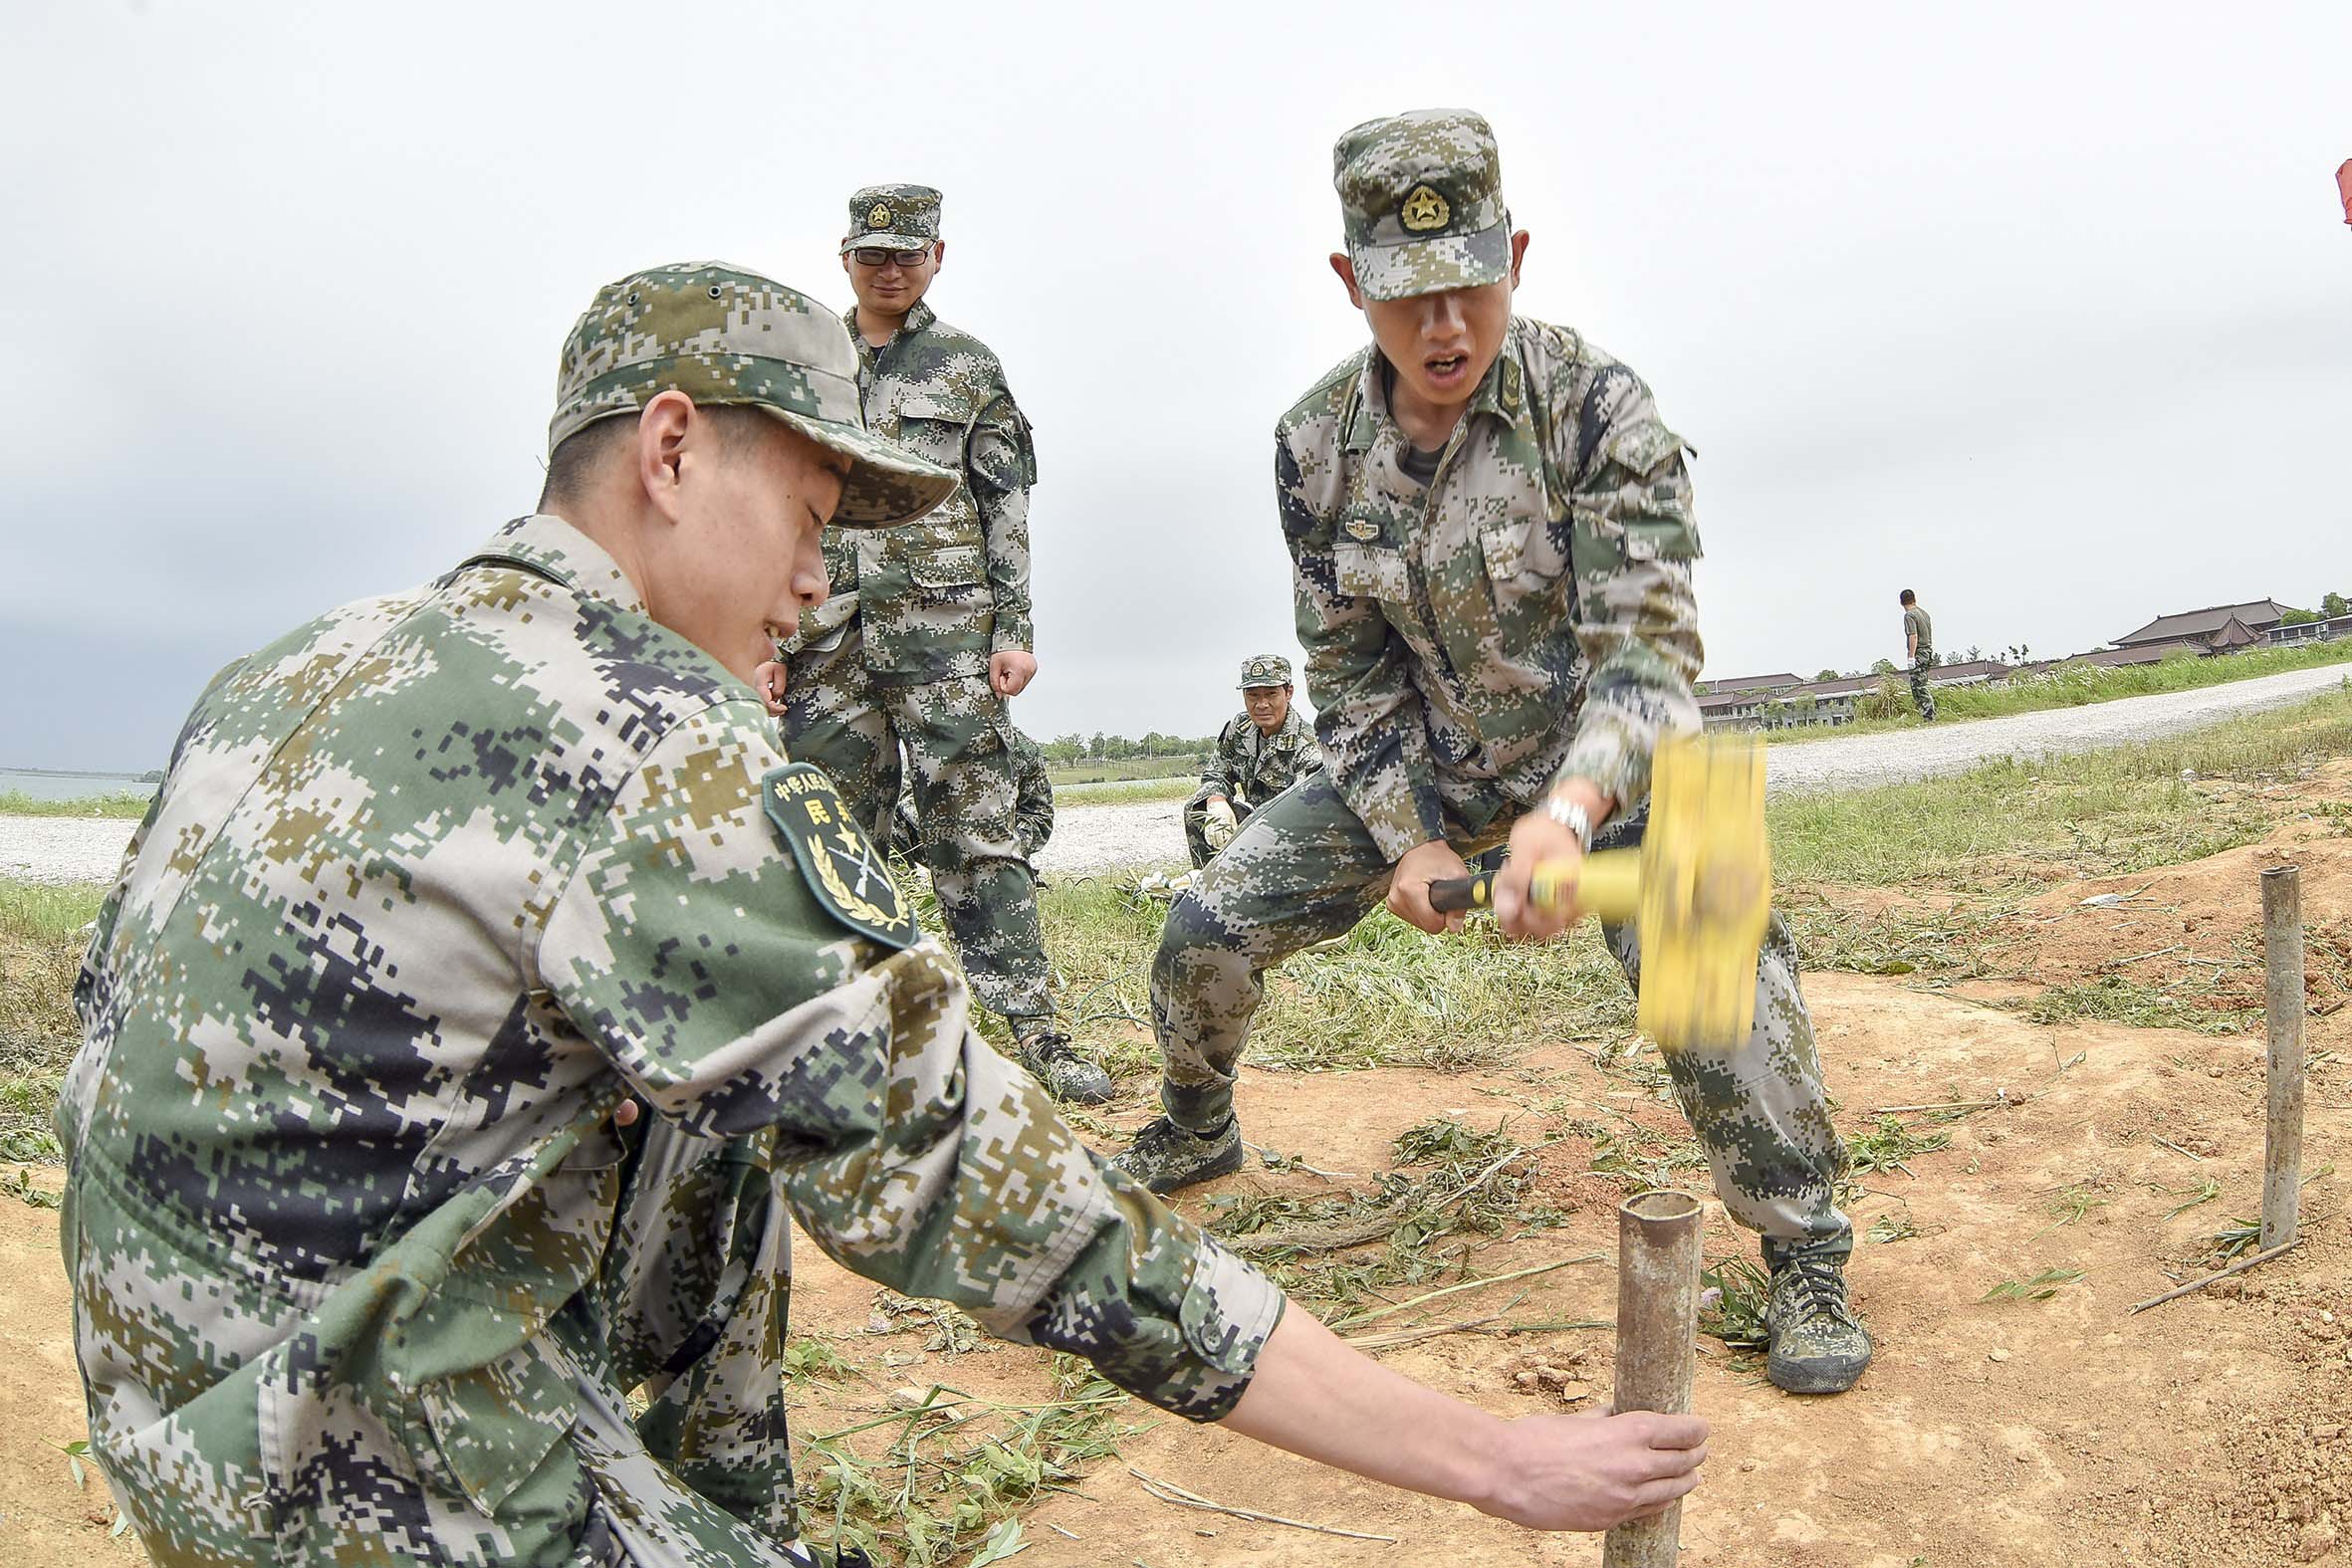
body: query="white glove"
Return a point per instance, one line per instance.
(1221, 825)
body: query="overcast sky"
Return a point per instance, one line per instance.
(2048, 318)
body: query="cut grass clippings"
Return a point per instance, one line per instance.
(2110, 999)
(940, 1476)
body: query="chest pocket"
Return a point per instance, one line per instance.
(935, 428)
(1371, 571)
(956, 566)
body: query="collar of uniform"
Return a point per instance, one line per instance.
(1504, 393)
(916, 320)
(548, 545)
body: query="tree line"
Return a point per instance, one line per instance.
(1101, 748)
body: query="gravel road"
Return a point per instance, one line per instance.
(1092, 838)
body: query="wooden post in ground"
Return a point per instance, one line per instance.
(2282, 1148)
(1658, 1248)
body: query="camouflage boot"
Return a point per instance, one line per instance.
(1055, 1062)
(1818, 1346)
(1164, 1156)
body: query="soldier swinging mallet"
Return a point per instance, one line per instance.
(1699, 890)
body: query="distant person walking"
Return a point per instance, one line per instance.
(1919, 650)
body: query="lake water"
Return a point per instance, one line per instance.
(69, 787)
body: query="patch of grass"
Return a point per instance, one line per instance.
(40, 942)
(1167, 765)
(2110, 999)
(2074, 686)
(1732, 1296)
(1937, 943)
(2072, 1205)
(939, 1478)
(1887, 1145)
(1469, 1183)
(2205, 1192)
(812, 1359)
(1645, 1161)
(1128, 792)
(1391, 995)
(45, 913)
(2040, 1288)
(1385, 996)
(130, 803)
(2012, 826)
(17, 1183)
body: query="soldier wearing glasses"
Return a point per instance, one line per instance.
(927, 632)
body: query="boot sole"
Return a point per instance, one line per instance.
(1222, 1165)
(1102, 1096)
(1816, 1377)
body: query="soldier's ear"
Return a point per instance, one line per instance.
(1518, 254)
(938, 255)
(662, 432)
(1346, 270)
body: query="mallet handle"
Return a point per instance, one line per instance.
(1607, 884)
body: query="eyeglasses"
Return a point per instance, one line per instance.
(877, 256)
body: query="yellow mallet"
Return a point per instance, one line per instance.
(1699, 890)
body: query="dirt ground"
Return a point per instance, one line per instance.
(2213, 1430)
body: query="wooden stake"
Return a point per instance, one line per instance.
(1659, 1236)
(2282, 1146)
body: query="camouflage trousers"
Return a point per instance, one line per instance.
(1305, 870)
(1919, 683)
(839, 718)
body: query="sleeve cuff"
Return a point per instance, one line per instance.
(1411, 819)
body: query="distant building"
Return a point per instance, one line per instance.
(1744, 705)
(1747, 683)
(2219, 627)
(2310, 631)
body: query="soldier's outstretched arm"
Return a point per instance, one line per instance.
(1316, 1396)
(706, 952)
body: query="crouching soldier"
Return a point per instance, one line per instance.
(1491, 532)
(485, 997)
(1260, 752)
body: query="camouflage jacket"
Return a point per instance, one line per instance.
(1252, 768)
(432, 883)
(935, 598)
(1526, 616)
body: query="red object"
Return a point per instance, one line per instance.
(2344, 186)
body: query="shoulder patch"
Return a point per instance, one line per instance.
(841, 864)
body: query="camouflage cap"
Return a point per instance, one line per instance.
(1422, 195)
(721, 335)
(1265, 669)
(896, 217)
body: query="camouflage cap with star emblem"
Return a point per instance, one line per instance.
(1265, 669)
(1422, 196)
(894, 217)
(722, 335)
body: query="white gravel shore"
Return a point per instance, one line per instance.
(1094, 838)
